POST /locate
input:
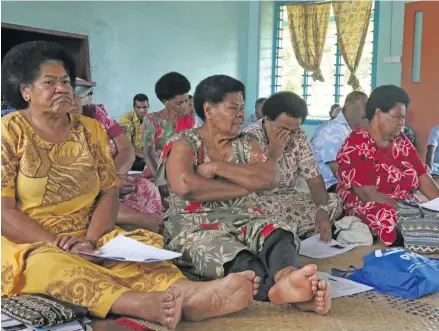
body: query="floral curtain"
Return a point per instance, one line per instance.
(308, 23)
(352, 20)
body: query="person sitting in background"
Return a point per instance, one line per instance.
(213, 221)
(282, 139)
(257, 115)
(378, 165)
(141, 204)
(432, 160)
(328, 140)
(130, 123)
(332, 113)
(60, 198)
(172, 90)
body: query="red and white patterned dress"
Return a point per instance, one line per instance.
(146, 198)
(394, 171)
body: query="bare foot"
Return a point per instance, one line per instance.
(228, 295)
(160, 307)
(294, 285)
(321, 304)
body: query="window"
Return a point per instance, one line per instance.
(289, 75)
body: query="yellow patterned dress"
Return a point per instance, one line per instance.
(57, 185)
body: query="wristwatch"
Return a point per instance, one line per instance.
(323, 207)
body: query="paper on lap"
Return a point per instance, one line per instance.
(432, 205)
(126, 249)
(343, 287)
(316, 249)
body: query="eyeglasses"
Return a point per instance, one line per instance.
(397, 118)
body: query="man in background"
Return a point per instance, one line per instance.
(131, 122)
(328, 140)
(258, 110)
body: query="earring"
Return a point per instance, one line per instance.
(26, 98)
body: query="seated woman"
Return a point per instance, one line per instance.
(378, 165)
(60, 197)
(282, 139)
(172, 90)
(141, 203)
(213, 172)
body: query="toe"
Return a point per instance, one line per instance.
(322, 284)
(257, 279)
(249, 275)
(309, 270)
(168, 304)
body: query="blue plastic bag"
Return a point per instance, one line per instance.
(396, 272)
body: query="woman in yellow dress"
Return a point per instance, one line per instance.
(60, 197)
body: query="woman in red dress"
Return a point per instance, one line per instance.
(378, 165)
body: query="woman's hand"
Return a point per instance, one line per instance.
(278, 140)
(125, 186)
(258, 158)
(323, 226)
(74, 244)
(206, 170)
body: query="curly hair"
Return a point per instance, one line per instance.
(214, 90)
(285, 102)
(170, 85)
(385, 97)
(21, 65)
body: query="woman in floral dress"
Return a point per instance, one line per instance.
(172, 90)
(213, 219)
(141, 202)
(281, 137)
(378, 165)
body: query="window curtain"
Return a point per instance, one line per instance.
(308, 23)
(352, 19)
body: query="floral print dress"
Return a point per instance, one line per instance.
(156, 131)
(295, 207)
(210, 234)
(393, 170)
(146, 198)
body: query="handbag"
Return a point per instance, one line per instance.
(396, 272)
(419, 227)
(40, 310)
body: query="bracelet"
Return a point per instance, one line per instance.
(323, 207)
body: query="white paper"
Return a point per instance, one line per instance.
(342, 287)
(433, 204)
(314, 248)
(126, 249)
(9, 323)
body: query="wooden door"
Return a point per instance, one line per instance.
(421, 79)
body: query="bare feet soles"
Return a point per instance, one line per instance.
(167, 309)
(220, 297)
(321, 304)
(294, 286)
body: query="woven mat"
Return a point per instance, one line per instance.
(370, 311)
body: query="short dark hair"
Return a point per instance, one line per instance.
(385, 98)
(140, 97)
(259, 101)
(171, 85)
(21, 65)
(285, 102)
(214, 90)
